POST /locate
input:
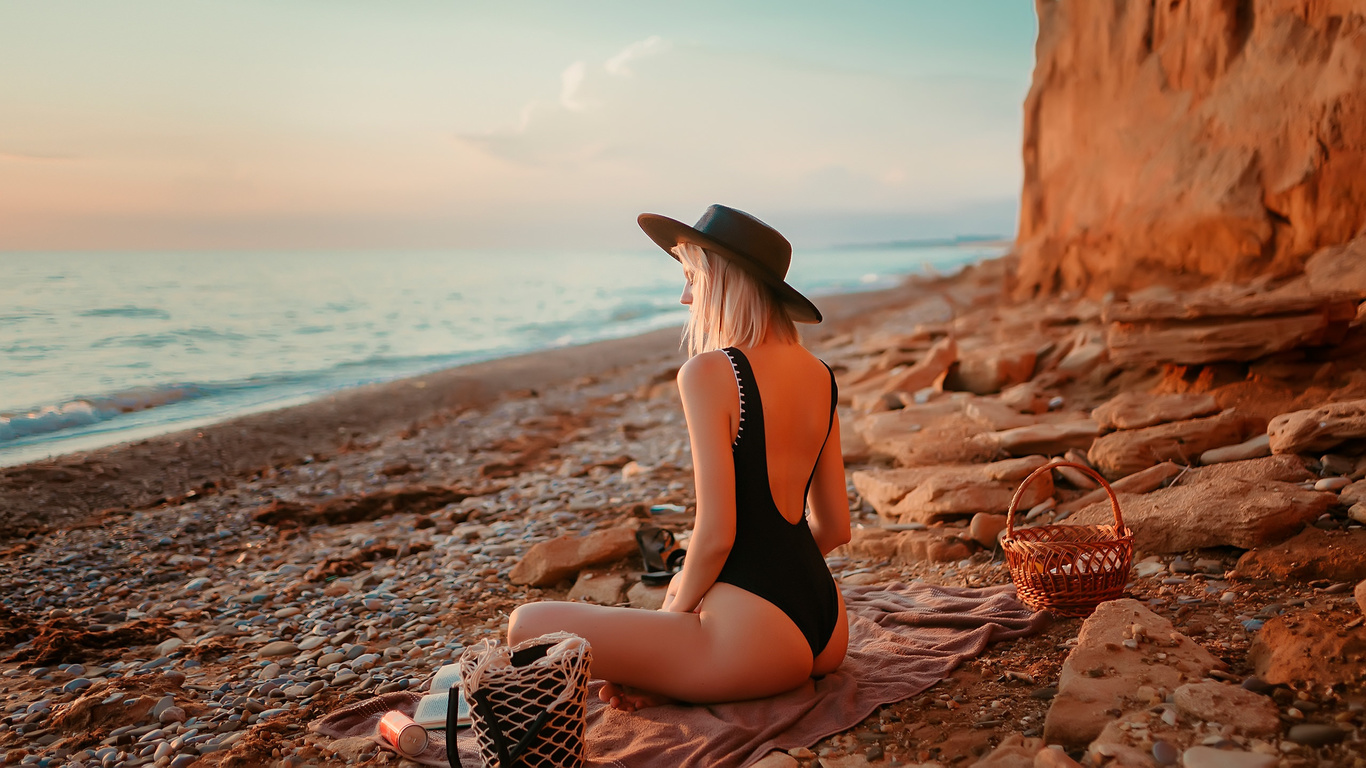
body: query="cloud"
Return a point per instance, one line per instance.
(619, 65)
(571, 81)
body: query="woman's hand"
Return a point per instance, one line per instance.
(671, 593)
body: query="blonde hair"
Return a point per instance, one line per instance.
(730, 308)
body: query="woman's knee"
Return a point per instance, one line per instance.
(523, 622)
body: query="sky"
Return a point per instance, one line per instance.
(337, 124)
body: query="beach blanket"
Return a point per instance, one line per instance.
(903, 638)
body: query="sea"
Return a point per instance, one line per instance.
(105, 348)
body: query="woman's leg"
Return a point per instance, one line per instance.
(738, 646)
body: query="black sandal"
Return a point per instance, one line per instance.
(660, 553)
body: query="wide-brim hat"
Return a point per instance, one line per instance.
(749, 243)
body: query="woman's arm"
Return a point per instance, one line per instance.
(710, 404)
(829, 497)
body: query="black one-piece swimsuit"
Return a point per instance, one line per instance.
(772, 558)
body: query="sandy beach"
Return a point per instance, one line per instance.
(200, 598)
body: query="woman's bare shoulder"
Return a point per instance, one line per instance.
(705, 371)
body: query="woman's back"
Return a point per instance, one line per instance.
(795, 389)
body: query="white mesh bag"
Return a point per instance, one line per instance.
(527, 702)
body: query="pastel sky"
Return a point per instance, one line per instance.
(244, 124)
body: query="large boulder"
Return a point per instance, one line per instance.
(1302, 647)
(930, 494)
(560, 558)
(904, 547)
(1213, 511)
(1318, 429)
(1311, 555)
(1124, 453)
(1135, 410)
(1102, 673)
(932, 433)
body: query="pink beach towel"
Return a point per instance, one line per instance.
(902, 639)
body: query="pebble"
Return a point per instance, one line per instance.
(309, 643)
(278, 648)
(1181, 565)
(1164, 753)
(1332, 484)
(79, 684)
(195, 585)
(1043, 693)
(1315, 735)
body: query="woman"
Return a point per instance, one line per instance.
(754, 611)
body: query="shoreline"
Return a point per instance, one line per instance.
(67, 489)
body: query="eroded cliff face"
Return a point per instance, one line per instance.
(1181, 141)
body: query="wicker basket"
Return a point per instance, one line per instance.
(1068, 569)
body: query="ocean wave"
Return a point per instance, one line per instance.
(86, 411)
(127, 311)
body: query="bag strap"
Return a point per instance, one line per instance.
(452, 724)
(507, 758)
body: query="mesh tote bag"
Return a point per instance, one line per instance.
(527, 701)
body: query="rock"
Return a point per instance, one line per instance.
(647, 597)
(168, 646)
(1046, 439)
(1100, 672)
(928, 494)
(985, 527)
(994, 415)
(1014, 751)
(1318, 429)
(1227, 337)
(1109, 204)
(1088, 351)
(1054, 758)
(1025, 398)
(352, 750)
(926, 371)
(1254, 447)
(1077, 478)
(1252, 714)
(1119, 454)
(932, 433)
(776, 759)
(1164, 753)
(1315, 735)
(1303, 647)
(1231, 512)
(549, 561)
(171, 715)
(986, 370)
(1282, 468)
(1146, 481)
(904, 547)
(1358, 513)
(1332, 484)
(600, 588)
(1353, 494)
(1360, 595)
(1309, 555)
(278, 648)
(1134, 410)
(1209, 757)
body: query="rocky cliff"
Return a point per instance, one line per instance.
(1184, 141)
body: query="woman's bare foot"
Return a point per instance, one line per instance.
(630, 699)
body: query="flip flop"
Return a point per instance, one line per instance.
(660, 553)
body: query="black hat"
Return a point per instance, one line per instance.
(753, 245)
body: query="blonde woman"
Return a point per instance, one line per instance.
(754, 611)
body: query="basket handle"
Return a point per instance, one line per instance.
(1049, 467)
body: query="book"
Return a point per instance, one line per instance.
(432, 708)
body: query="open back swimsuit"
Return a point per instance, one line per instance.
(772, 558)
